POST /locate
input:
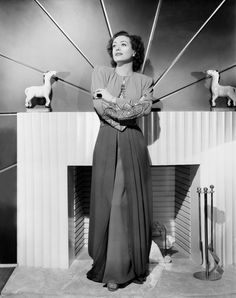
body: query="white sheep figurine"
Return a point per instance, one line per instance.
(40, 91)
(220, 91)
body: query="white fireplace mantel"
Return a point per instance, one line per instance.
(47, 143)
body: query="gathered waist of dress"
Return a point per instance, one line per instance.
(121, 125)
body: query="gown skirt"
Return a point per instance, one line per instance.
(120, 227)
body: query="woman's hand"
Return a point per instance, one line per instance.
(104, 94)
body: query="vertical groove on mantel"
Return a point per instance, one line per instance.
(189, 136)
(228, 187)
(31, 211)
(50, 192)
(21, 189)
(63, 162)
(170, 138)
(53, 189)
(234, 187)
(45, 184)
(196, 133)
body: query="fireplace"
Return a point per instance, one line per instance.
(174, 188)
(50, 147)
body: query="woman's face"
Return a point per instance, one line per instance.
(122, 50)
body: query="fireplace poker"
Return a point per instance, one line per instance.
(206, 232)
(203, 275)
(200, 223)
(210, 246)
(216, 272)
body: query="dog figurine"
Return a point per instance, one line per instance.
(220, 91)
(41, 91)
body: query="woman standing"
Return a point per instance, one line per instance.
(121, 200)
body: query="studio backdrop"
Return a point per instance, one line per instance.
(31, 43)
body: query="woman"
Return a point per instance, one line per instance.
(121, 201)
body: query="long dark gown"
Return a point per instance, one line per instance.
(121, 200)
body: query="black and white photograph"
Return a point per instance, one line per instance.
(117, 148)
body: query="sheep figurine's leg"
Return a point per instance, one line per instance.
(229, 101)
(28, 103)
(233, 96)
(48, 102)
(213, 100)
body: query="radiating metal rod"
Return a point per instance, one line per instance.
(63, 32)
(8, 168)
(190, 84)
(151, 34)
(21, 63)
(186, 46)
(106, 18)
(178, 90)
(76, 86)
(41, 71)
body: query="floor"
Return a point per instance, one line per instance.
(169, 277)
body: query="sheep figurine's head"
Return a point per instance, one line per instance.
(212, 72)
(49, 74)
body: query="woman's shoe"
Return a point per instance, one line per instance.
(112, 286)
(139, 280)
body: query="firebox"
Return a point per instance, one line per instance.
(174, 193)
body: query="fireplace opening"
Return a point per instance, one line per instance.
(175, 206)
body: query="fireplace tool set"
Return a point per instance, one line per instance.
(216, 272)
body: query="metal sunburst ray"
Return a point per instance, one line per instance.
(106, 18)
(186, 46)
(151, 34)
(63, 32)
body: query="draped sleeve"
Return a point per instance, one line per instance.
(122, 110)
(100, 77)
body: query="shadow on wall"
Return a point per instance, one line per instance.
(186, 181)
(7, 141)
(149, 71)
(150, 126)
(8, 190)
(8, 217)
(218, 224)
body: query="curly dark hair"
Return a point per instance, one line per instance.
(137, 46)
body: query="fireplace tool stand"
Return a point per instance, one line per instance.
(216, 272)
